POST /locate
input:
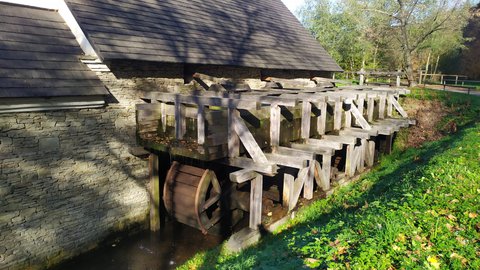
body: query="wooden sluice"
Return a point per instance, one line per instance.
(312, 135)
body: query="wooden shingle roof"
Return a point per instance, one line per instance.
(249, 33)
(39, 56)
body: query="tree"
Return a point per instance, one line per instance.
(395, 31)
(414, 23)
(471, 53)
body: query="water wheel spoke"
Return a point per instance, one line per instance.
(211, 202)
(217, 215)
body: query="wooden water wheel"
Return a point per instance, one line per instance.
(192, 196)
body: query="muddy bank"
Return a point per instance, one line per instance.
(429, 127)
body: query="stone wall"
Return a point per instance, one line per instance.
(67, 179)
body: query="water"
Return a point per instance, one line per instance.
(167, 249)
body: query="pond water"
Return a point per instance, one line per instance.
(166, 249)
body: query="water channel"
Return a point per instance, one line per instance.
(167, 249)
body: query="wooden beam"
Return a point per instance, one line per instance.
(349, 160)
(297, 187)
(287, 161)
(399, 108)
(389, 106)
(325, 143)
(360, 120)
(317, 149)
(153, 165)
(248, 140)
(247, 163)
(242, 176)
(256, 191)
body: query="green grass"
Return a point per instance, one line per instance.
(418, 209)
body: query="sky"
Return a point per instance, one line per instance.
(293, 4)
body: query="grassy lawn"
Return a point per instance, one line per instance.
(417, 209)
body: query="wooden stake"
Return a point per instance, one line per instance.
(322, 119)
(308, 186)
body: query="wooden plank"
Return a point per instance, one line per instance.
(349, 132)
(364, 145)
(287, 161)
(275, 125)
(327, 169)
(399, 108)
(201, 125)
(308, 186)
(325, 143)
(247, 163)
(317, 149)
(295, 153)
(180, 121)
(233, 139)
(256, 202)
(163, 116)
(242, 176)
(153, 165)
(340, 139)
(322, 119)
(389, 106)
(248, 140)
(359, 119)
(288, 188)
(348, 118)
(306, 118)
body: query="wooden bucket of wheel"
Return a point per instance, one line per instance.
(192, 196)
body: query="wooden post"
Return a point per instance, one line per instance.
(233, 139)
(153, 166)
(256, 191)
(381, 107)
(388, 144)
(322, 119)
(349, 160)
(398, 79)
(456, 79)
(370, 108)
(163, 111)
(288, 181)
(180, 120)
(337, 118)
(371, 153)
(306, 118)
(362, 77)
(200, 125)
(308, 186)
(275, 125)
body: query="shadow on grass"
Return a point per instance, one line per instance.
(396, 177)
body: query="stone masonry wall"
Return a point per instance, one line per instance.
(67, 179)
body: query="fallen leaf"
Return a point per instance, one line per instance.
(452, 217)
(401, 238)
(395, 247)
(472, 215)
